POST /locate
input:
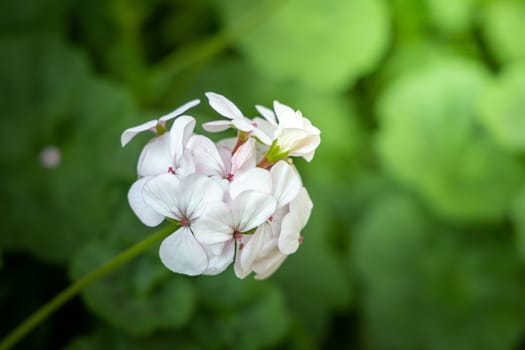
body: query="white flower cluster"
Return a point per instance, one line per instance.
(236, 200)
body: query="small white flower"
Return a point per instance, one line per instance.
(187, 200)
(292, 134)
(162, 155)
(152, 125)
(228, 109)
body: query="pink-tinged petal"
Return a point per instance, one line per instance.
(196, 193)
(250, 209)
(294, 222)
(156, 157)
(215, 226)
(255, 179)
(130, 133)
(144, 212)
(286, 183)
(216, 126)
(217, 263)
(180, 133)
(208, 161)
(243, 124)
(244, 158)
(160, 194)
(180, 252)
(179, 110)
(267, 114)
(223, 106)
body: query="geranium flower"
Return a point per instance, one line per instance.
(186, 200)
(293, 135)
(163, 154)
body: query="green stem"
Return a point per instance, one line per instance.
(60, 299)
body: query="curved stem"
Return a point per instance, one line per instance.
(60, 299)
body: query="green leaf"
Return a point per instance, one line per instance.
(430, 140)
(314, 279)
(503, 28)
(315, 43)
(428, 288)
(109, 339)
(502, 108)
(52, 99)
(241, 314)
(140, 298)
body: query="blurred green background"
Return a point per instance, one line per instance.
(417, 238)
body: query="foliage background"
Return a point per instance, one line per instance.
(417, 239)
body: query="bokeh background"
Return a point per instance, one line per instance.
(417, 238)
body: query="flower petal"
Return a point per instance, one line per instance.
(294, 222)
(267, 114)
(180, 252)
(160, 193)
(130, 133)
(224, 106)
(287, 117)
(216, 126)
(156, 157)
(252, 248)
(215, 226)
(286, 183)
(244, 158)
(197, 192)
(256, 179)
(220, 262)
(144, 212)
(179, 110)
(208, 160)
(250, 209)
(180, 133)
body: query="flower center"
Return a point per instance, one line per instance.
(185, 222)
(171, 170)
(229, 177)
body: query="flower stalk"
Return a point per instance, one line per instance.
(60, 299)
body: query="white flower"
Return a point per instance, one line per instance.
(227, 222)
(283, 183)
(152, 125)
(163, 154)
(293, 134)
(186, 200)
(237, 120)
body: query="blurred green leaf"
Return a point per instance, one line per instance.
(109, 339)
(429, 139)
(503, 28)
(141, 297)
(428, 288)
(502, 108)
(316, 43)
(240, 314)
(314, 279)
(53, 210)
(452, 15)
